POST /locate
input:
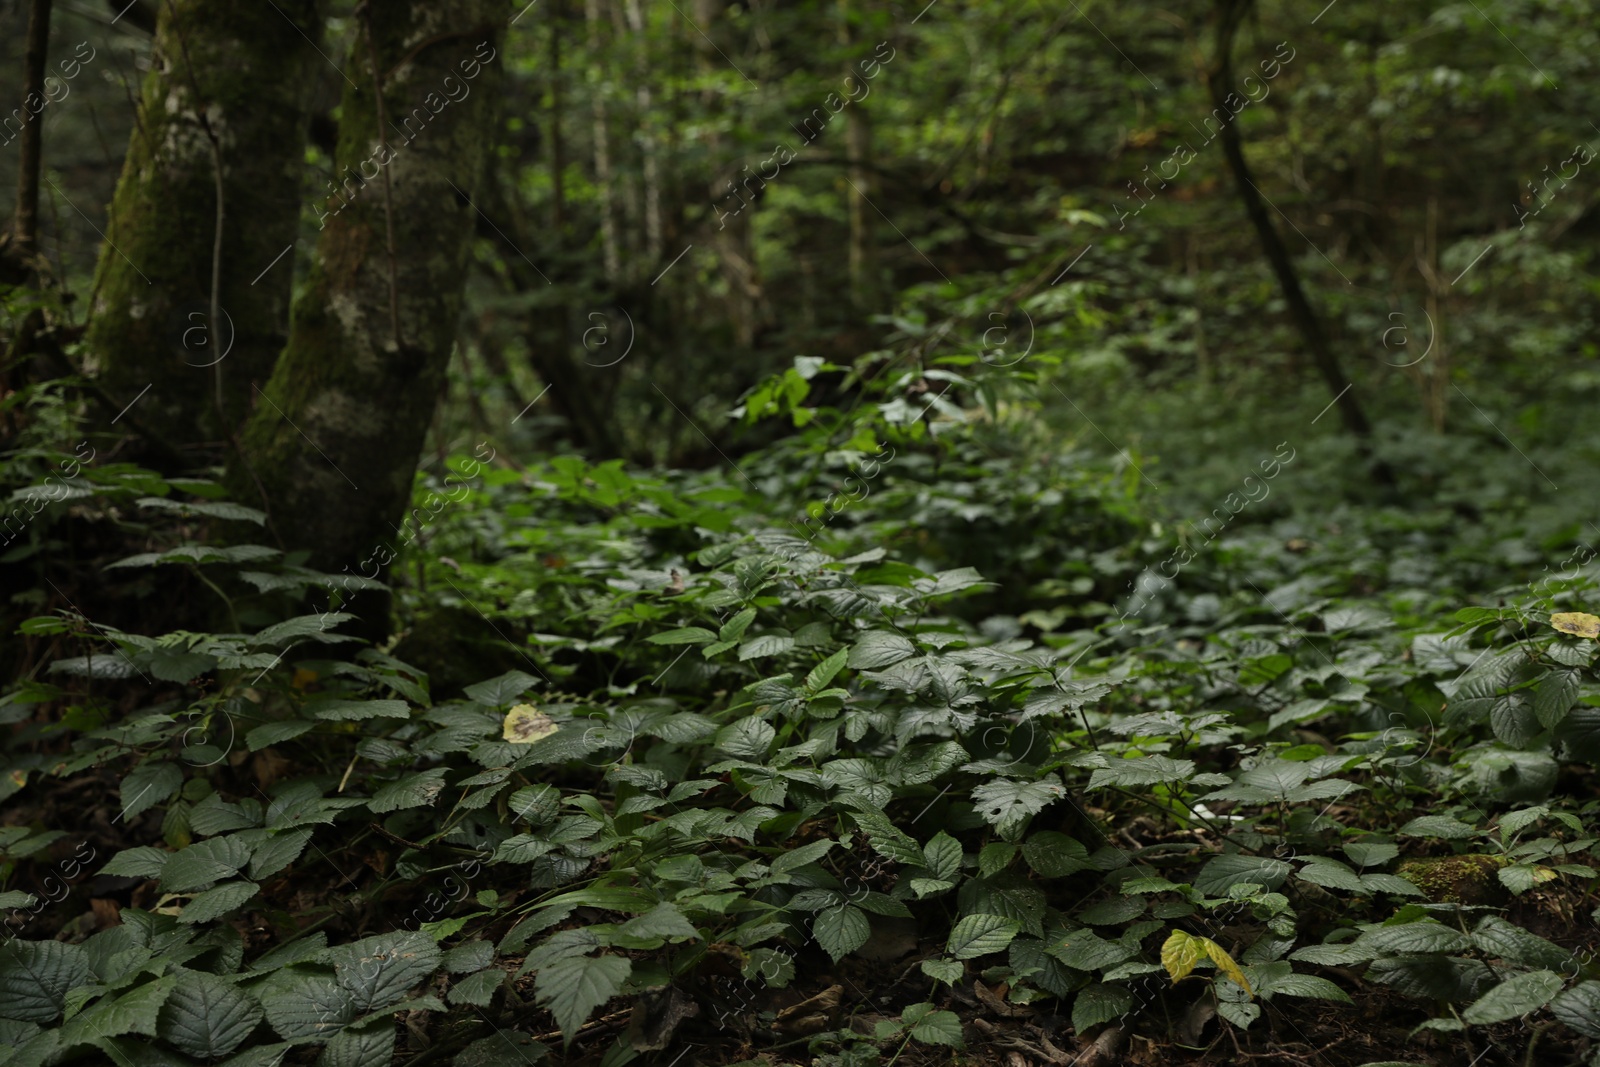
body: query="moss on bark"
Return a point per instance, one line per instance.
(336, 436)
(247, 70)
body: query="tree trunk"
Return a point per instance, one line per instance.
(224, 111)
(25, 228)
(610, 256)
(858, 150)
(1230, 13)
(335, 436)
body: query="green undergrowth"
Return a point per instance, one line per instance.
(725, 735)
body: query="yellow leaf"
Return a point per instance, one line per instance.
(526, 724)
(1180, 953)
(1577, 623)
(1225, 964)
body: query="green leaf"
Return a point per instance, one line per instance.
(947, 971)
(35, 977)
(1506, 940)
(684, 635)
(1414, 937)
(171, 665)
(765, 645)
(878, 649)
(1438, 826)
(377, 971)
(933, 1027)
(826, 671)
(477, 989)
(330, 710)
(312, 626)
(1055, 855)
(1514, 997)
(979, 935)
(215, 903)
(134, 1012)
(1579, 1008)
(1557, 693)
(841, 930)
(501, 690)
(207, 1017)
(572, 988)
(942, 856)
(360, 1046)
(1222, 873)
(1006, 804)
(144, 861)
(1100, 1003)
(735, 627)
(274, 732)
(205, 862)
(305, 1005)
(277, 852)
(413, 791)
(1305, 985)
(149, 784)
(1371, 853)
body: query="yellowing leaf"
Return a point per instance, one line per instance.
(1225, 964)
(1180, 953)
(525, 724)
(1577, 623)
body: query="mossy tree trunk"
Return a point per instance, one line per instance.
(333, 441)
(231, 84)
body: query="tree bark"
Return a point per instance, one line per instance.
(336, 434)
(1230, 13)
(206, 208)
(25, 227)
(601, 138)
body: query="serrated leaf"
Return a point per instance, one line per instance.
(217, 902)
(277, 852)
(134, 1012)
(479, 988)
(1557, 693)
(1306, 985)
(1180, 953)
(765, 645)
(151, 783)
(572, 988)
(826, 671)
(331, 710)
(878, 649)
(936, 1028)
(1579, 1008)
(1222, 873)
(1225, 963)
(1515, 996)
(205, 862)
(947, 971)
(360, 1046)
(143, 861)
(35, 977)
(502, 689)
(377, 971)
(942, 857)
(413, 791)
(207, 1017)
(1441, 826)
(1055, 855)
(841, 930)
(525, 724)
(684, 635)
(1100, 1003)
(305, 1005)
(979, 935)
(1006, 804)
(1414, 937)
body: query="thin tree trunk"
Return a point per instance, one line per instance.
(610, 256)
(652, 162)
(858, 150)
(558, 159)
(1230, 13)
(336, 434)
(25, 229)
(193, 284)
